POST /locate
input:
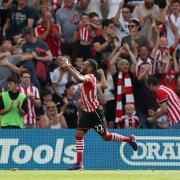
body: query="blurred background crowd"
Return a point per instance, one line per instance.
(129, 39)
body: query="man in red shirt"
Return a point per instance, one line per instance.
(168, 101)
(92, 115)
(49, 32)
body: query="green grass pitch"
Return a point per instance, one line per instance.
(90, 175)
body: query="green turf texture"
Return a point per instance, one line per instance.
(89, 175)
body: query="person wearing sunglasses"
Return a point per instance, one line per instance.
(134, 39)
(51, 118)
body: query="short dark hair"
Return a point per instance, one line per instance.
(25, 71)
(93, 14)
(107, 22)
(46, 92)
(69, 84)
(13, 78)
(127, 7)
(27, 31)
(153, 80)
(144, 63)
(84, 14)
(93, 64)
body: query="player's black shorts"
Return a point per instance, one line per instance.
(95, 120)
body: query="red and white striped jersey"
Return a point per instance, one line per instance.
(89, 94)
(84, 33)
(126, 122)
(164, 94)
(152, 68)
(30, 117)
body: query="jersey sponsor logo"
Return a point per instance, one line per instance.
(13, 150)
(153, 151)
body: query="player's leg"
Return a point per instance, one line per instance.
(80, 133)
(101, 128)
(82, 129)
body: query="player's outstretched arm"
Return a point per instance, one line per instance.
(73, 71)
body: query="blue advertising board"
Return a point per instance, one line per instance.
(55, 149)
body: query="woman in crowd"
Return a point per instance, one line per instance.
(51, 118)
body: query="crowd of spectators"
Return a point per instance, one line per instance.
(130, 40)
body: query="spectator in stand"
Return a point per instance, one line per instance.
(49, 96)
(51, 118)
(19, 17)
(4, 8)
(123, 77)
(96, 28)
(33, 98)
(41, 57)
(50, 32)
(129, 121)
(144, 99)
(171, 20)
(121, 20)
(84, 37)
(35, 6)
(135, 39)
(148, 13)
(160, 48)
(59, 77)
(79, 64)
(104, 43)
(144, 57)
(70, 108)
(169, 71)
(8, 62)
(13, 105)
(64, 16)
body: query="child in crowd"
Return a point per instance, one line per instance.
(129, 121)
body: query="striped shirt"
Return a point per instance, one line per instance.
(164, 94)
(30, 117)
(84, 33)
(89, 94)
(152, 68)
(126, 122)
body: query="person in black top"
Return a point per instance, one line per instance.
(18, 17)
(104, 44)
(147, 100)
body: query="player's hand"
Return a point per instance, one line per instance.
(151, 112)
(150, 119)
(66, 61)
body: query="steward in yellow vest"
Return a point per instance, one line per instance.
(13, 105)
